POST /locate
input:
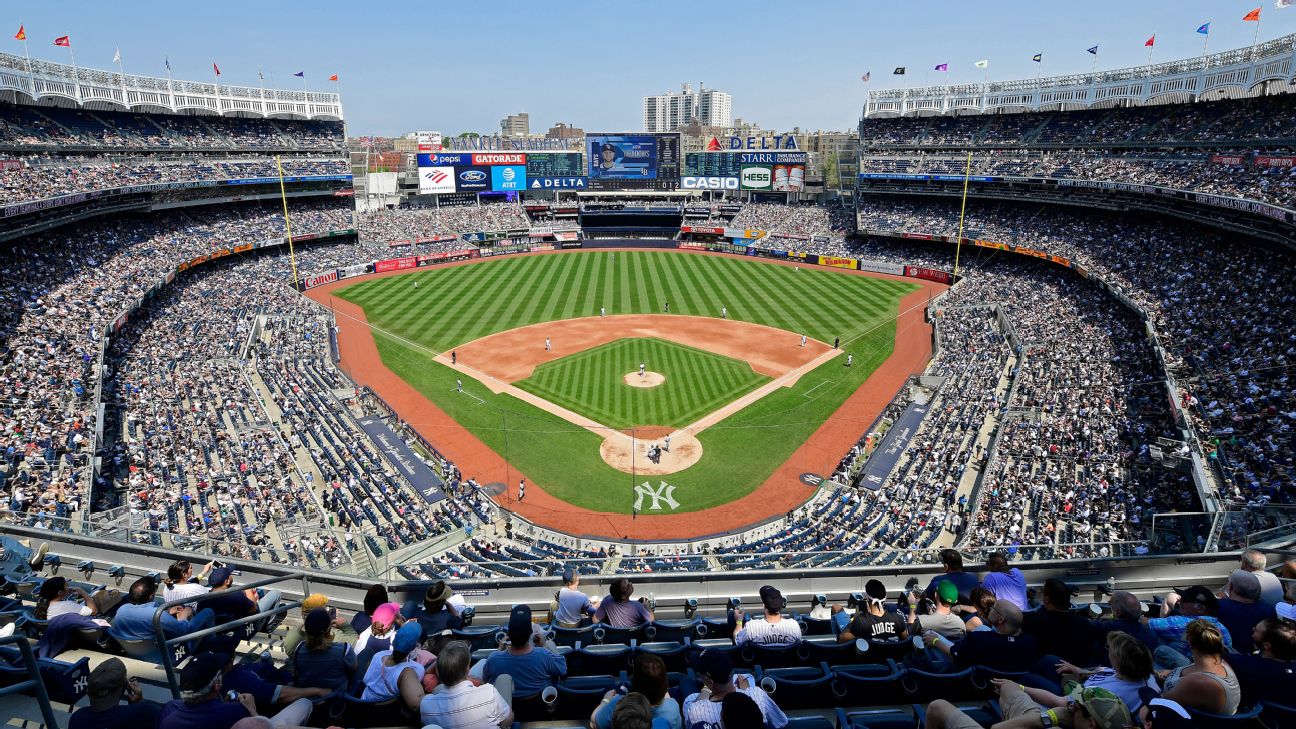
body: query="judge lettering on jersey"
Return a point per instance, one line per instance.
(873, 622)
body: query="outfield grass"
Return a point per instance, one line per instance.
(458, 304)
(591, 383)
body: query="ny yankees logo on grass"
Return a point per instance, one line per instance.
(665, 492)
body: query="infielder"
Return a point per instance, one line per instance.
(454, 356)
(641, 369)
(548, 346)
(459, 384)
(850, 360)
(667, 307)
(667, 445)
(521, 489)
(803, 340)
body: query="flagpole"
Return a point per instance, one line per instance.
(170, 85)
(76, 73)
(31, 77)
(122, 70)
(1204, 42)
(216, 79)
(1151, 48)
(958, 246)
(261, 75)
(306, 95)
(1255, 38)
(292, 256)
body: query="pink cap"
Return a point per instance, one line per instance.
(386, 613)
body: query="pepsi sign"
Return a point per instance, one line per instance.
(473, 179)
(556, 183)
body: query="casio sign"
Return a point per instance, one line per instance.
(709, 183)
(472, 175)
(756, 177)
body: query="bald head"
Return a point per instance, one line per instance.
(1125, 606)
(1010, 617)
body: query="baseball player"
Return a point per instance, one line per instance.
(667, 443)
(454, 356)
(667, 307)
(803, 340)
(724, 312)
(459, 384)
(548, 345)
(602, 311)
(641, 369)
(521, 489)
(415, 283)
(850, 360)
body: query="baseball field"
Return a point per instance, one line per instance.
(745, 385)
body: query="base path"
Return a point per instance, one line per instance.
(779, 494)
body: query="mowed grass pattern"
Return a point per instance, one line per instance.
(592, 383)
(459, 304)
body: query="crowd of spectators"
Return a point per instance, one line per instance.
(410, 223)
(801, 221)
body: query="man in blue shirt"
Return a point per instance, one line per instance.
(200, 705)
(1006, 584)
(232, 604)
(573, 605)
(134, 621)
(530, 661)
(964, 581)
(1195, 603)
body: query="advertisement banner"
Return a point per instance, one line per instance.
(445, 159)
(621, 156)
(1273, 161)
(756, 177)
(773, 158)
(499, 158)
(358, 269)
(743, 233)
(399, 243)
(709, 183)
(894, 269)
(884, 459)
(916, 236)
(395, 264)
(435, 239)
(1060, 261)
(1031, 252)
(567, 242)
(428, 141)
(507, 177)
(556, 183)
(472, 179)
(1226, 159)
(243, 247)
(929, 274)
(789, 178)
(708, 231)
(12, 164)
(403, 459)
(836, 262)
(311, 282)
(993, 244)
(436, 180)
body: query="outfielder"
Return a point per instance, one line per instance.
(850, 360)
(602, 311)
(724, 312)
(459, 384)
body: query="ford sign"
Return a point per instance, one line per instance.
(472, 176)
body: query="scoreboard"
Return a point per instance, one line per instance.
(555, 164)
(633, 161)
(712, 164)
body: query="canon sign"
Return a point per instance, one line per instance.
(709, 183)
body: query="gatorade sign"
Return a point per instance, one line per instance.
(756, 178)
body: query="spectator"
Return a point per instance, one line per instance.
(1271, 589)
(715, 668)
(201, 704)
(393, 673)
(572, 604)
(386, 619)
(319, 662)
(1006, 583)
(457, 703)
(1194, 603)
(1270, 675)
(267, 685)
(1089, 708)
(435, 616)
(134, 621)
(773, 628)
(634, 713)
(58, 596)
(964, 581)
(941, 619)
(234, 604)
(973, 615)
(341, 630)
(530, 661)
(107, 687)
(618, 611)
(1057, 629)
(375, 596)
(649, 679)
(1130, 673)
(180, 583)
(1005, 648)
(1127, 617)
(1207, 682)
(1240, 608)
(872, 621)
(740, 710)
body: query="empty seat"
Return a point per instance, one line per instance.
(674, 630)
(803, 687)
(597, 660)
(866, 684)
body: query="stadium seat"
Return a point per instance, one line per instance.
(815, 626)
(598, 660)
(349, 711)
(610, 634)
(809, 722)
(782, 656)
(1246, 716)
(923, 686)
(578, 695)
(985, 714)
(826, 649)
(876, 719)
(480, 636)
(671, 653)
(674, 630)
(865, 684)
(1277, 716)
(573, 636)
(804, 687)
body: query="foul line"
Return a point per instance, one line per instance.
(816, 387)
(478, 399)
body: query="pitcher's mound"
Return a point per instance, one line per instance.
(685, 450)
(647, 379)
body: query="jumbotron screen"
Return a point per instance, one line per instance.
(555, 164)
(633, 161)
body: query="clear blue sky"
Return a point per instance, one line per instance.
(463, 66)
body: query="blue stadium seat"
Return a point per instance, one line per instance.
(1277, 716)
(674, 630)
(479, 636)
(922, 686)
(781, 656)
(572, 636)
(609, 634)
(826, 649)
(672, 653)
(804, 687)
(578, 695)
(349, 711)
(876, 719)
(1245, 717)
(598, 660)
(809, 722)
(866, 684)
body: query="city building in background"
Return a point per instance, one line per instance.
(670, 111)
(516, 125)
(563, 130)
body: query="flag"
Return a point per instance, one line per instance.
(333, 77)
(261, 74)
(215, 68)
(1150, 42)
(1253, 16)
(1204, 29)
(982, 64)
(21, 34)
(941, 67)
(300, 74)
(167, 61)
(117, 56)
(899, 71)
(63, 40)
(1093, 50)
(1038, 58)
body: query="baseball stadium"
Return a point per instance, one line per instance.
(979, 414)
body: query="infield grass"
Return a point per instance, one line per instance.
(592, 383)
(458, 304)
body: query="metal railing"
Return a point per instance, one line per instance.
(34, 683)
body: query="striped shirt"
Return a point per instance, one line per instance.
(702, 713)
(763, 632)
(464, 706)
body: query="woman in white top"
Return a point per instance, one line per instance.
(392, 673)
(178, 584)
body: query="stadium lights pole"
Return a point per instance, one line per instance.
(292, 255)
(958, 246)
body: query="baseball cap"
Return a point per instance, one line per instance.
(221, 643)
(201, 669)
(1285, 610)
(317, 622)
(1058, 592)
(107, 684)
(519, 624)
(1164, 713)
(771, 598)
(312, 601)
(1106, 709)
(1200, 596)
(947, 592)
(386, 613)
(218, 576)
(408, 637)
(875, 590)
(51, 587)
(713, 662)
(568, 575)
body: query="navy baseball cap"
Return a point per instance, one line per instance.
(1164, 713)
(201, 669)
(219, 576)
(712, 662)
(519, 624)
